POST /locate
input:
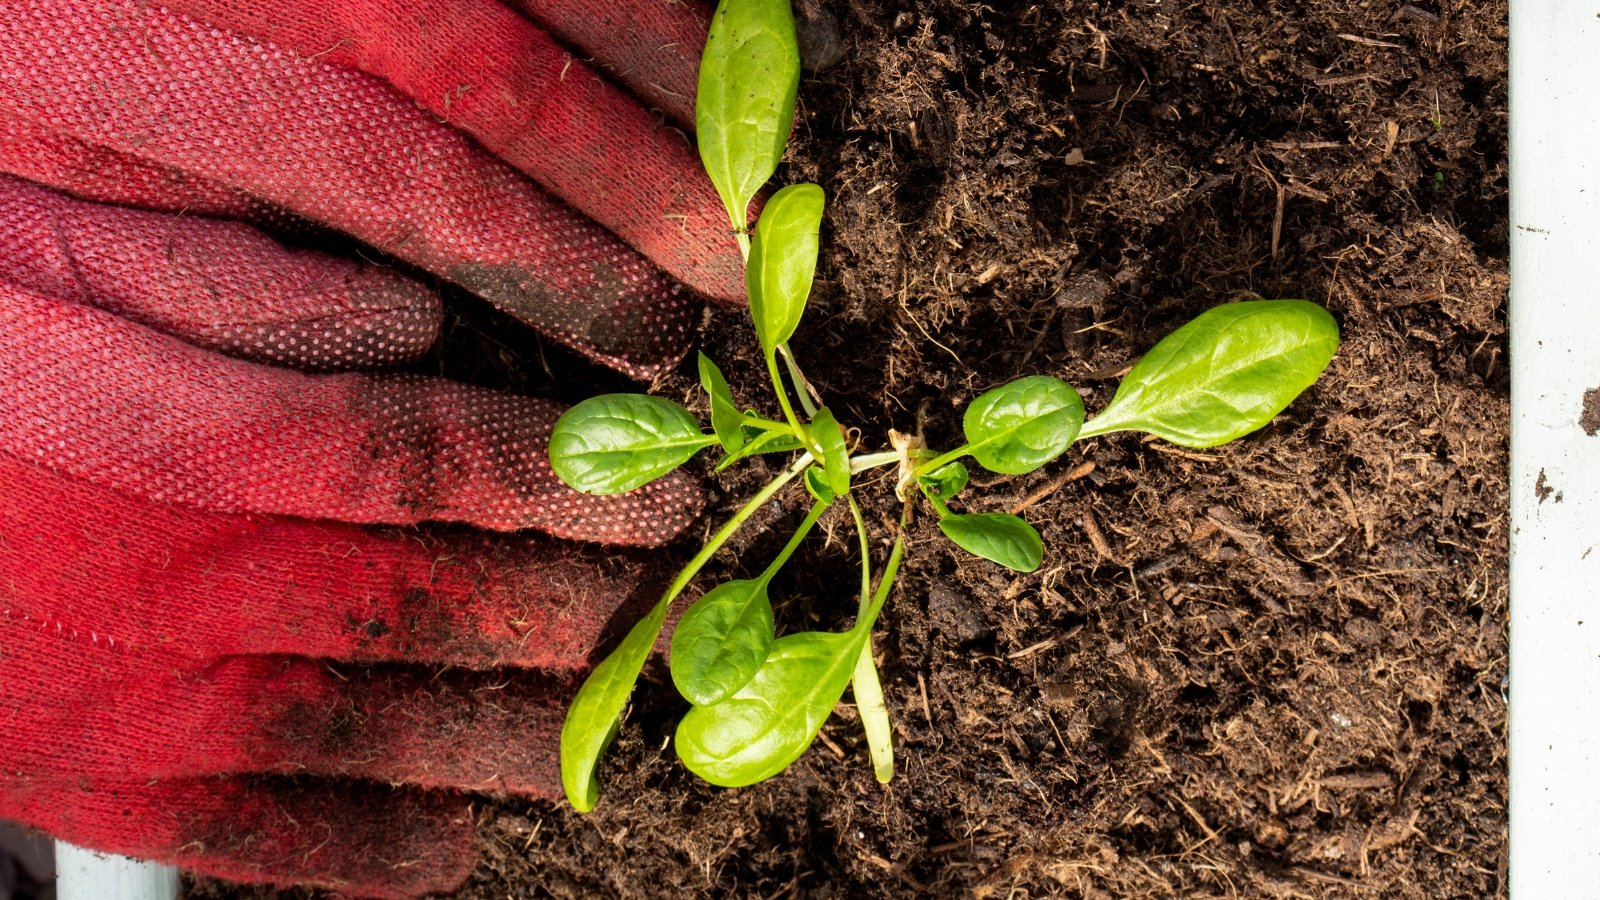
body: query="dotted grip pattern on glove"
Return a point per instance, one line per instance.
(219, 285)
(89, 393)
(341, 148)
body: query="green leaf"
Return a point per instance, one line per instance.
(765, 725)
(874, 715)
(783, 260)
(744, 107)
(1020, 426)
(835, 455)
(614, 443)
(1004, 539)
(595, 713)
(1225, 374)
(726, 420)
(721, 641)
(818, 487)
(763, 442)
(947, 481)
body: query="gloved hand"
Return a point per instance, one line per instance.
(222, 642)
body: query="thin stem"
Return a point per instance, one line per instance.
(729, 527)
(766, 424)
(1099, 425)
(872, 461)
(742, 235)
(817, 509)
(866, 555)
(886, 580)
(788, 411)
(939, 462)
(809, 399)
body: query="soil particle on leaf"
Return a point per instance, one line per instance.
(1269, 669)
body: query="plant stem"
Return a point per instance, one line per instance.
(728, 528)
(742, 235)
(788, 410)
(886, 580)
(817, 509)
(939, 462)
(765, 424)
(809, 400)
(866, 555)
(872, 461)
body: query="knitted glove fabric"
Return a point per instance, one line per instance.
(345, 148)
(203, 661)
(233, 633)
(166, 670)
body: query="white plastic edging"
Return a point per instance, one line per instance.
(1555, 462)
(86, 875)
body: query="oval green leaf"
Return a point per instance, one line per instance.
(744, 105)
(783, 261)
(1225, 374)
(726, 420)
(835, 455)
(947, 481)
(817, 486)
(596, 711)
(1020, 426)
(721, 641)
(614, 443)
(765, 725)
(997, 537)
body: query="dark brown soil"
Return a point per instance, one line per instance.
(1273, 669)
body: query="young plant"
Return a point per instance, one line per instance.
(758, 700)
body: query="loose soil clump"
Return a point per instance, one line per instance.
(1272, 669)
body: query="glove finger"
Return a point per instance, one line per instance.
(42, 155)
(219, 285)
(363, 840)
(341, 148)
(493, 74)
(112, 402)
(91, 576)
(495, 731)
(651, 46)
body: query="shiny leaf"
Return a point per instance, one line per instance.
(614, 443)
(948, 481)
(835, 455)
(818, 487)
(1004, 539)
(744, 107)
(726, 420)
(783, 261)
(1020, 426)
(596, 711)
(721, 641)
(1225, 374)
(765, 725)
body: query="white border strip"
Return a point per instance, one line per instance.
(86, 875)
(1555, 464)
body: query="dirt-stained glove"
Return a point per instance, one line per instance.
(413, 126)
(222, 641)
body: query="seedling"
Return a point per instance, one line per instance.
(758, 700)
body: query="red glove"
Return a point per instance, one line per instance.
(197, 665)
